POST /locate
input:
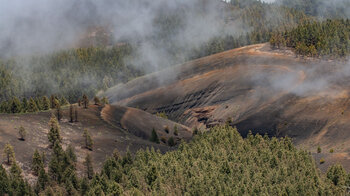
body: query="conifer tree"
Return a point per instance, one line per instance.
(154, 136)
(104, 101)
(97, 101)
(37, 162)
(15, 170)
(32, 106)
(85, 101)
(58, 111)
(88, 140)
(63, 101)
(25, 105)
(9, 153)
(54, 132)
(46, 103)
(71, 113)
(171, 142)
(43, 180)
(53, 101)
(15, 105)
(22, 133)
(39, 104)
(4, 181)
(88, 166)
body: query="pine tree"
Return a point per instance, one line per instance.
(32, 107)
(71, 154)
(89, 167)
(53, 101)
(104, 101)
(39, 103)
(37, 162)
(9, 153)
(58, 111)
(71, 113)
(54, 132)
(4, 181)
(79, 102)
(154, 136)
(97, 101)
(15, 105)
(171, 142)
(43, 180)
(63, 101)
(85, 101)
(88, 140)
(25, 105)
(15, 170)
(22, 133)
(46, 103)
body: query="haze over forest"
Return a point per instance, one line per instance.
(181, 97)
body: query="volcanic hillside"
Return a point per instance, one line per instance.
(253, 88)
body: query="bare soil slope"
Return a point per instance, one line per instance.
(117, 128)
(257, 89)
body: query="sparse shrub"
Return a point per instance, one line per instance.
(162, 115)
(97, 101)
(22, 133)
(104, 101)
(331, 150)
(319, 150)
(171, 142)
(176, 131)
(154, 136)
(322, 161)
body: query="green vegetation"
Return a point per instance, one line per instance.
(214, 163)
(320, 8)
(330, 38)
(22, 133)
(88, 140)
(69, 73)
(37, 104)
(154, 136)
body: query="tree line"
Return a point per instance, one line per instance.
(214, 163)
(330, 38)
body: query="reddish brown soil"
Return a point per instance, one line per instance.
(256, 88)
(106, 136)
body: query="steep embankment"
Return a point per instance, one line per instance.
(257, 89)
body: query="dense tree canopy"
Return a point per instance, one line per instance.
(214, 163)
(330, 38)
